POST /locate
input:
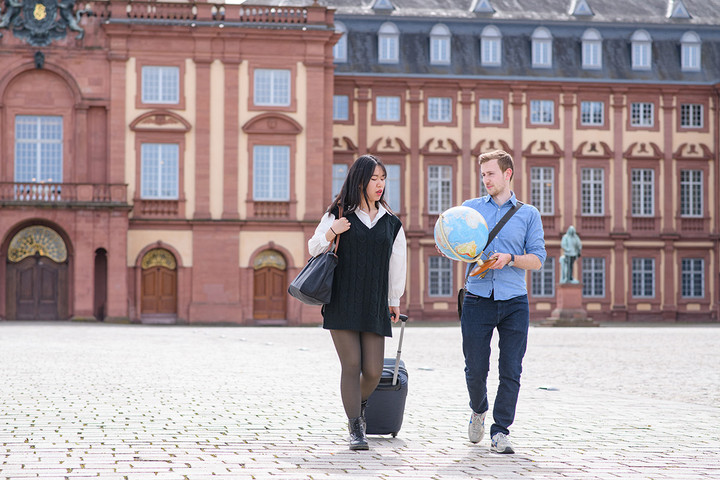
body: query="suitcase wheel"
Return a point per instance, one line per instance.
(394, 434)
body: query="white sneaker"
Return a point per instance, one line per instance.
(476, 429)
(500, 443)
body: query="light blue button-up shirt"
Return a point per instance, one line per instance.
(522, 234)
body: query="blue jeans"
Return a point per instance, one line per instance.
(480, 316)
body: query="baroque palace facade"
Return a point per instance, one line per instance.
(166, 162)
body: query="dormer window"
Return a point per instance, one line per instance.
(491, 46)
(641, 50)
(541, 48)
(591, 50)
(690, 58)
(440, 45)
(340, 48)
(388, 43)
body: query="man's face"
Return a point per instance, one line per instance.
(496, 181)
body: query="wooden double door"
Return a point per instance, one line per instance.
(37, 289)
(270, 294)
(159, 291)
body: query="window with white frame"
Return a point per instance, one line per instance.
(491, 47)
(388, 43)
(690, 52)
(642, 114)
(542, 189)
(592, 188)
(593, 277)
(392, 187)
(440, 45)
(591, 50)
(340, 48)
(641, 50)
(643, 277)
(491, 110)
(541, 48)
(159, 172)
(691, 193)
(38, 149)
(691, 115)
(160, 84)
(643, 192)
(439, 277)
(543, 280)
(439, 188)
(693, 277)
(339, 172)
(271, 87)
(592, 113)
(542, 112)
(341, 107)
(440, 109)
(387, 109)
(271, 173)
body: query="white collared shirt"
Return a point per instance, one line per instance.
(398, 265)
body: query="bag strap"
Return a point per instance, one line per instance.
(495, 230)
(337, 237)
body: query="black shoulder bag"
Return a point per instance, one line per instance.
(491, 236)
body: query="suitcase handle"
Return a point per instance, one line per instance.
(403, 318)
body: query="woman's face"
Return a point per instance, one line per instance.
(376, 186)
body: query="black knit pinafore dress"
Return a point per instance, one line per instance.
(360, 285)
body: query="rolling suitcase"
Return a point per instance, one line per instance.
(386, 405)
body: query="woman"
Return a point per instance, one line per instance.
(367, 285)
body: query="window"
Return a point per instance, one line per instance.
(641, 50)
(440, 45)
(439, 277)
(643, 192)
(543, 280)
(388, 43)
(541, 48)
(592, 191)
(542, 189)
(340, 48)
(159, 170)
(593, 277)
(642, 114)
(591, 50)
(392, 187)
(387, 109)
(592, 113)
(341, 110)
(272, 87)
(693, 277)
(643, 277)
(542, 112)
(38, 149)
(439, 188)
(691, 193)
(690, 52)
(491, 110)
(691, 115)
(339, 172)
(271, 173)
(491, 47)
(160, 85)
(440, 109)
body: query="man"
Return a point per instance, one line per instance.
(499, 300)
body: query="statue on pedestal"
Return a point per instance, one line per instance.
(572, 249)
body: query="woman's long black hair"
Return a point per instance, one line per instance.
(354, 188)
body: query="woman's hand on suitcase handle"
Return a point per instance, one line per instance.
(395, 314)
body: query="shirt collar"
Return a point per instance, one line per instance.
(512, 200)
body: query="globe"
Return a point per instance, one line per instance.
(461, 233)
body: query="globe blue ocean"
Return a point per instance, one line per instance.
(461, 233)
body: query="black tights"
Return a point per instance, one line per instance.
(361, 358)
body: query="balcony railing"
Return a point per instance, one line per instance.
(62, 193)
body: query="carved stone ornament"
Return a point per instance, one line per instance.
(158, 257)
(269, 258)
(39, 22)
(37, 240)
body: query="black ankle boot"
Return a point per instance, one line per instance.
(363, 406)
(358, 440)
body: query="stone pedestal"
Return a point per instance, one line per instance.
(569, 311)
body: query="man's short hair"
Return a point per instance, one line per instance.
(503, 158)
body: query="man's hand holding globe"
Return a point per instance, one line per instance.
(461, 234)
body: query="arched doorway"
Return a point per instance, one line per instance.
(158, 285)
(269, 286)
(100, 293)
(37, 275)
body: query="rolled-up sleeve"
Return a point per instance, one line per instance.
(398, 269)
(535, 236)
(318, 243)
